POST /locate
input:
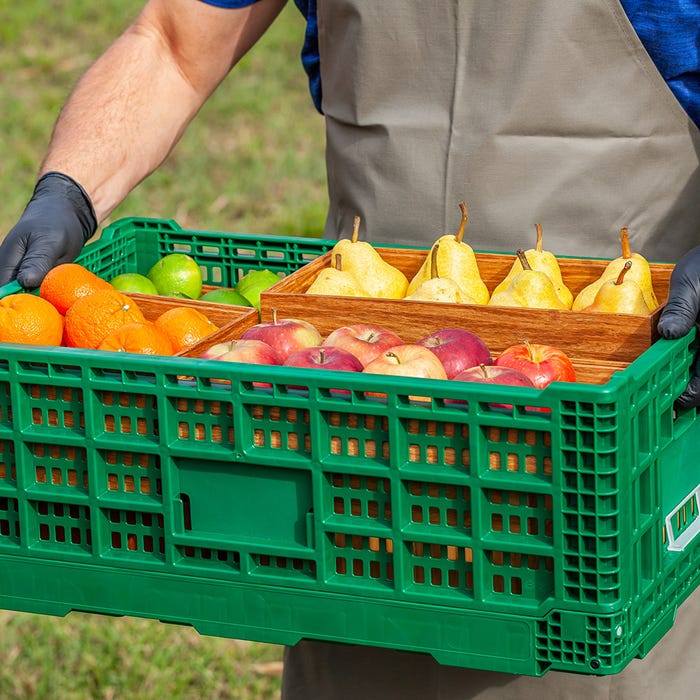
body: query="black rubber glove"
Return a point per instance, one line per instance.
(681, 313)
(52, 230)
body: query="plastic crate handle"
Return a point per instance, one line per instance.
(678, 544)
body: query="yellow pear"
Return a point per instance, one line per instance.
(379, 278)
(335, 281)
(621, 295)
(544, 261)
(640, 272)
(458, 262)
(530, 288)
(437, 288)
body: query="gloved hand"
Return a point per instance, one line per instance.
(52, 230)
(681, 312)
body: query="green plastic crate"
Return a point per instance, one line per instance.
(503, 539)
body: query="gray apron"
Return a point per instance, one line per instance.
(543, 111)
(540, 111)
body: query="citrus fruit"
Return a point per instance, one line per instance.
(145, 338)
(177, 274)
(67, 282)
(90, 319)
(225, 296)
(184, 326)
(133, 282)
(27, 318)
(251, 284)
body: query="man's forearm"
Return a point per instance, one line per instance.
(113, 131)
(133, 104)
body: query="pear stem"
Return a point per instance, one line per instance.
(623, 272)
(338, 261)
(434, 261)
(625, 241)
(538, 245)
(355, 229)
(463, 225)
(523, 259)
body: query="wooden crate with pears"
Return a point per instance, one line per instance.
(602, 313)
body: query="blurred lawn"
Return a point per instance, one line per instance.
(252, 161)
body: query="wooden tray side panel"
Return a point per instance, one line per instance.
(597, 337)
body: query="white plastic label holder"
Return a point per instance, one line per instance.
(678, 544)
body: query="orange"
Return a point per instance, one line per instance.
(144, 338)
(27, 318)
(65, 283)
(185, 326)
(91, 318)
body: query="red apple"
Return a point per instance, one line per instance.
(492, 374)
(542, 363)
(324, 358)
(364, 340)
(457, 349)
(251, 351)
(406, 360)
(285, 335)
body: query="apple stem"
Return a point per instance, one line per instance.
(523, 259)
(393, 356)
(538, 245)
(322, 355)
(463, 225)
(434, 261)
(484, 371)
(273, 310)
(355, 229)
(527, 344)
(623, 272)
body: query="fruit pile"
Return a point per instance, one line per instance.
(449, 353)
(178, 275)
(76, 308)
(450, 273)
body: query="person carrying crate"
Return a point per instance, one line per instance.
(583, 115)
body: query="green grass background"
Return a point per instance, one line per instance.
(252, 162)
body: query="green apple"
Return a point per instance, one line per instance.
(225, 296)
(253, 283)
(177, 275)
(133, 282)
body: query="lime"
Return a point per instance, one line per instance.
(177, 275)
(254, 282)
(133, 282)
(225, 296)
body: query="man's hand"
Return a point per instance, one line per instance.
(52, 230)
(681, 313)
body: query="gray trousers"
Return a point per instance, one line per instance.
(327, 671)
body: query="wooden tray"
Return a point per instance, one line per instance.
(589, 338)
(225, 316)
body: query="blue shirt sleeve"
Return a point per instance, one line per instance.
(229, 4)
